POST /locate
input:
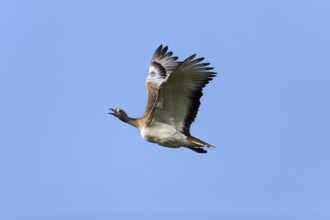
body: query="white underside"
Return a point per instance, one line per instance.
(165, 135)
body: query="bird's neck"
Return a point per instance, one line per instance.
(131, 121)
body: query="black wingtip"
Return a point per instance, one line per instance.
(164, 50)
(200, 59)
(189, 58)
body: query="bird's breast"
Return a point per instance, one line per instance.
(162, 134)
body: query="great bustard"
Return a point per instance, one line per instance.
(174, 92)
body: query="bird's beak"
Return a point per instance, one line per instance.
(113, 112)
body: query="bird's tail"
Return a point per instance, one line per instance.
(199, 142)
(198, 150)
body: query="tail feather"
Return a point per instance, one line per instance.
(198, 150)
(199, 142)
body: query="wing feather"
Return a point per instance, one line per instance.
(161, 67)
(178, 98)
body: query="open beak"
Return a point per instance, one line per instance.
(113, 111)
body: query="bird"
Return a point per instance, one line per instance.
(174, 92)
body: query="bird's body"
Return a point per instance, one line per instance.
(165, 135)
(174, 91)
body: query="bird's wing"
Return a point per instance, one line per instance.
(179, 92)
(161, 67)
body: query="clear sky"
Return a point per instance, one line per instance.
(64, 63)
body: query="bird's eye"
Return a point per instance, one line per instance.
(120, 111)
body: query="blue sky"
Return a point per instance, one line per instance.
(64, 63)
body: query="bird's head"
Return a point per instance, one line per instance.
(119, 113)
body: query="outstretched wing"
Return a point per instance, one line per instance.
(179, 93)
(161, 67)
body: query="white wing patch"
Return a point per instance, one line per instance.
(156, 75)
